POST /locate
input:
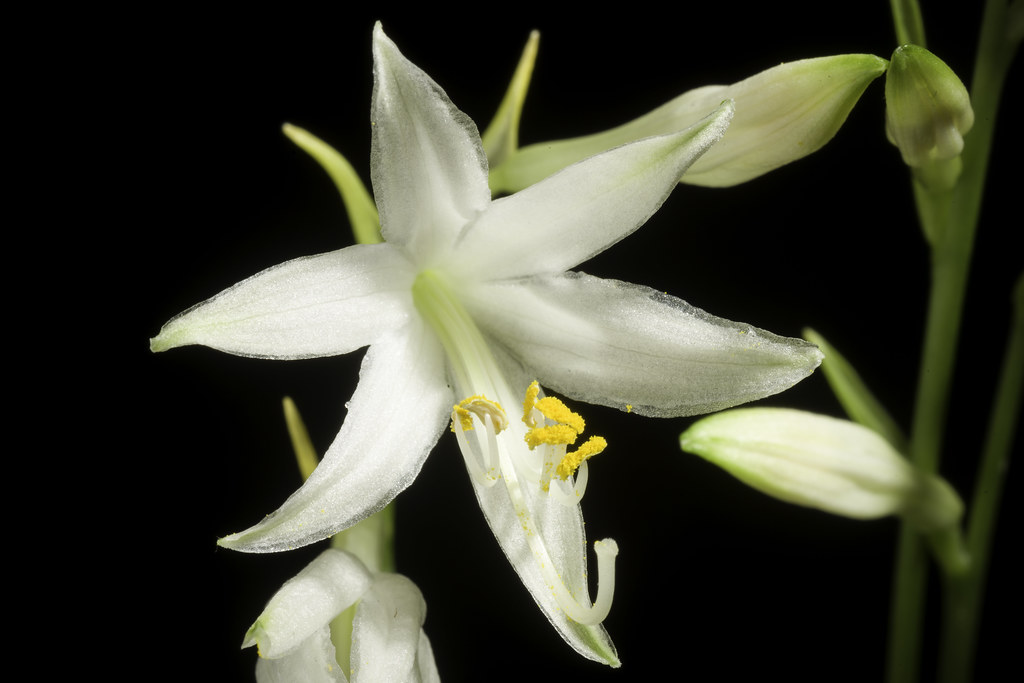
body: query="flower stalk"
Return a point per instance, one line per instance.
(949, 218)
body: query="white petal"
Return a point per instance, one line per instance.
(425, 661)
(561, 527)
(427, 164)
(634, 348)
(314, 661)
(395, 417)
(305, 604)
(386, 631)
(321, 305)
(581, 211)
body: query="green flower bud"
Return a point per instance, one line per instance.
(782, 114)
(834, 465)
(928, 110)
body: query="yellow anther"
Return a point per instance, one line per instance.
(464, 417)
(554, 435)
(556, 411)
(530, 401)
(551, 408)
(465, 409)
(572, 461)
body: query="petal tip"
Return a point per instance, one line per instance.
(230, 541)
(251, 636)
(161, 343)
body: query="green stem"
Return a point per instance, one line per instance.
(950, 221)
(905, 610)
(906, 16)
(952, 245)
(964, 594)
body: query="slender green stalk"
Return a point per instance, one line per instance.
(952, 244)
(950, 221)
(906, 15)
(963, 595)
(905, 610)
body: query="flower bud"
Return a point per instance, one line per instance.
(782, 114)
(834, 465)
(383, 639)
(928, 110)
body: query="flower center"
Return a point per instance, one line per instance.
(529, 457)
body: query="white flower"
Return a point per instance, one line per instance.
(293, 634)
(469, 300)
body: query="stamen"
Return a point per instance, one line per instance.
(481, 455)
(568, 492)
(489, 458)
(556, 411)
(479, 406)
(555, 435)
(554, 438)
(606, 551)
(571, 461)
(529, 402)
(551, 408)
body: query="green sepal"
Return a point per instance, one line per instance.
(362, 212)
(305, 454)
(853, 394)
(502, 135)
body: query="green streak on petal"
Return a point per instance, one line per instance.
(597, 642)
(362, 212)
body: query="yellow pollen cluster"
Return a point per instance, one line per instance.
(568, 425)
(529, 402)
(554, 435)
(556, 411)
(571, 461)
(465, 409)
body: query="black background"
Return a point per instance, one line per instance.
(715, 581)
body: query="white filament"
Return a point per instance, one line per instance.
(480, 462)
